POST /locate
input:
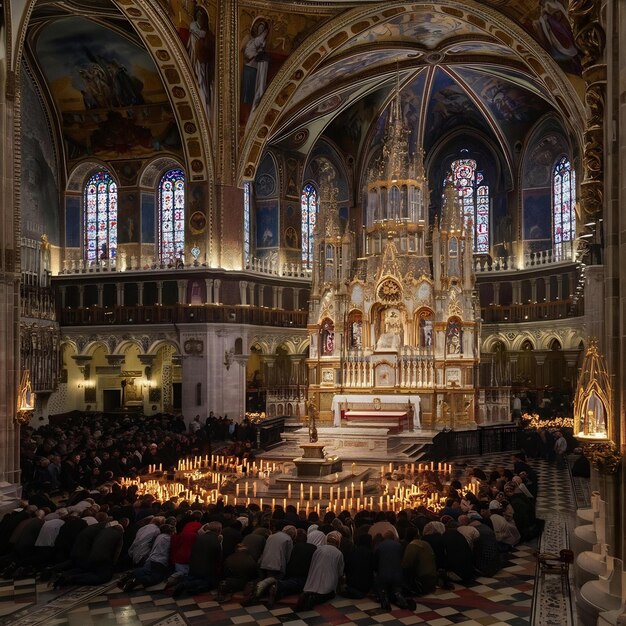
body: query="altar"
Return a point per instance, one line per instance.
(395, 421)
(376, 408)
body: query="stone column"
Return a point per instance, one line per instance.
(159, 292)
(275, 297)
(9, 292)
(63, 292)
(279, 300)
(243, 292)
(496, 293)
(140, 293)
(546, 283)
(559, 287)
(209, 290)
(217, 283)
(252, 289)
(533, 290)
(81, 296)
(261, 296)
(100, 295)
(182, 291)
(120, 294)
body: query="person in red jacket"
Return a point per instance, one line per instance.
(182, 543)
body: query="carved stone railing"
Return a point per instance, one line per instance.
(530, 260)
(181, 314)
(413, 371)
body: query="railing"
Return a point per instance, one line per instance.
(530, 312)
(483, 440)
(530, 260)
(267, 267)
(180, 314)
(273, 267)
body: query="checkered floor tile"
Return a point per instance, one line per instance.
(507, 599)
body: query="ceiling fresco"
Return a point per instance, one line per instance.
(351, 66)
(425, 27)
(108, 94)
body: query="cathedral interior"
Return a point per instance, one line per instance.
(252, 206)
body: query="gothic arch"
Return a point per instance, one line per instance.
(149, 178)
(339, 30)
(160, 39)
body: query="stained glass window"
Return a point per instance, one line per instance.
(100, 217)
(246, 222)
(171, 214)
(308, 207)
(474, 194)
(564, 201)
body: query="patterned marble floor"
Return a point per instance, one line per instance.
(514, 597)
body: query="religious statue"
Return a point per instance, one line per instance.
(391, 337)
(312, 413)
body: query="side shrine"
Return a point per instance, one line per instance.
(395, 333)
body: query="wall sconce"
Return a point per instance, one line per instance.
(228, 358)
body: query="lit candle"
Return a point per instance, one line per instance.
(273, 503)
(391, 467)
(237, 490)
(245, 488)
(352, 491)
(361, 486)
(289, 491)
(320, 492)
(254, 488)
(311, 493)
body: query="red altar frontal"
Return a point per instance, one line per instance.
(395, 421)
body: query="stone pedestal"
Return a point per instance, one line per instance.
(314, 463)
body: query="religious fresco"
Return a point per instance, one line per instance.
(425, 27)
(39, 182)
(351, 126)
(514, 108)
(330, 74)
(109, 94)
(481, 47)
(449, 107)
(266, 224)
(548, 23)
(266, 39)
(196, 23)
(537, 218)
(128, 218)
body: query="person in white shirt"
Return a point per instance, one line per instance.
(141, 546)
(560, 448)
(324, 574)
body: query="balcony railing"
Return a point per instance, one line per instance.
(183, 314)
(124, 263)
(530, 312)
(530, 260)
(37, 302)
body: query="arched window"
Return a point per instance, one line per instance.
(100, 217)
(563, 203)
(171, 214)
(308, 207)
(474, 194)
(246, 222)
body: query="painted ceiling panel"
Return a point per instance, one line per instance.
(425, 27)
(107, 91)
(450, 107)
(348, 67)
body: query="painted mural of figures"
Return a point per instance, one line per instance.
(554, 29)
(200, 47)
(255, 64)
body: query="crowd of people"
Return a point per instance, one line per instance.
(90, 533)
(89, 451)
